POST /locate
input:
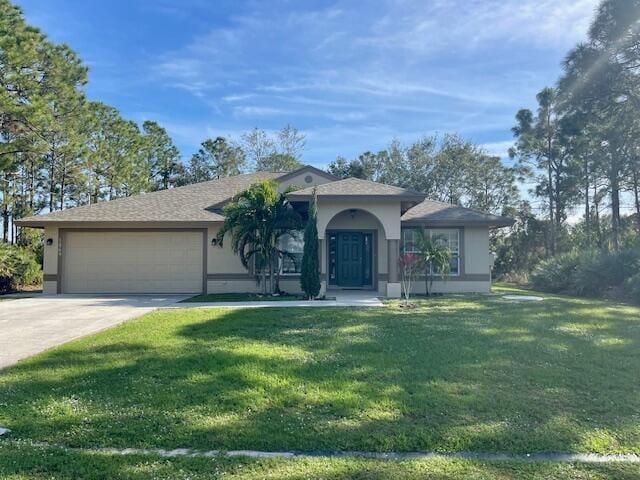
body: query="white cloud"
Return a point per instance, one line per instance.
(404, 68)
(253, 111)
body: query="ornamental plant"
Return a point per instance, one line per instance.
(310, 270)
(409, 265)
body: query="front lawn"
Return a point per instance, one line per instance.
(461, 373)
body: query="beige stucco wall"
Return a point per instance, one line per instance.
(475, 274)
(299, 181)
(388, 213)
(476, 249)
(226, 273)
(453, 286)
(250, 285)
(222, 259)
(50, 261)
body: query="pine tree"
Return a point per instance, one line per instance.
(310, 270)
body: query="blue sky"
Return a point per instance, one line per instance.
(351, 75)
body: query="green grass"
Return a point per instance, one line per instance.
(24, 462)
(460, 373)
(241, 297)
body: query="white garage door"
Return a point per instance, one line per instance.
(132, 262)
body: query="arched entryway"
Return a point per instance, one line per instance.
(355, 251)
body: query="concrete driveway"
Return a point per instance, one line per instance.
(31, 325)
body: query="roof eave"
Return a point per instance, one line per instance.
(41, 223)
(501, 223)
(31, 223)
(400, 197)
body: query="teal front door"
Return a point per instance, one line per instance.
(350, 261)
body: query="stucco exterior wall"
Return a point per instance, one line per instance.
(300, 181)
(387, 213)
(222, 259)
(476, 249)
(225, 272)
(452, 286)
(50, 261)
(475, 271)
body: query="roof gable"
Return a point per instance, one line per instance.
(356, 187)
(308, 169)
(431, 212)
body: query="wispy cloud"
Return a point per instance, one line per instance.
(404, 67)
(425, 28)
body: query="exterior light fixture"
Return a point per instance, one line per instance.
(214, 242)
(49, 241)
(353, 213)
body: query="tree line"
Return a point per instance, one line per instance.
(579, 148)
(59, 149)
(582, 145)
(449, 169)
(580, 151)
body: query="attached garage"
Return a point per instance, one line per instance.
(150, 261)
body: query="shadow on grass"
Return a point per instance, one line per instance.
(462, 373)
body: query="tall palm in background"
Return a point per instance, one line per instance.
(435, 256)
(257, 219)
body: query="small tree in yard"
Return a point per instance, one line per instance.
(435, 257)
(409, 264)
(257, 219)
(310, 270)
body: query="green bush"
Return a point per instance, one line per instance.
(553, 274)
(590, 273)
(18, 267)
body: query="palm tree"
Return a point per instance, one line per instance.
(257, 219)
(435, 255)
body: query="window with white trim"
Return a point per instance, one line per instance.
(449, 237)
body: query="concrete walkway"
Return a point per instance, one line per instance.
(31, 325)
(343, 298)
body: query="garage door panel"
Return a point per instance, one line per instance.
(133, 262)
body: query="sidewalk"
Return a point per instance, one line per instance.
(343, 298)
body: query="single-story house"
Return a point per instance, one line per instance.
(165, 241)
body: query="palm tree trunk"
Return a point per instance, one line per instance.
(426, 280)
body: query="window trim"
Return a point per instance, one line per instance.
(457, 255)
(279, 271)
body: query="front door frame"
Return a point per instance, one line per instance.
(374, 258)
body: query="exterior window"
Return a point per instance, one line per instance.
(333, 255)
(294, 244)
(449, 237)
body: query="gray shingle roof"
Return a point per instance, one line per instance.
(182, 204)
(194, 203)
(357, 187)
(439, 213)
